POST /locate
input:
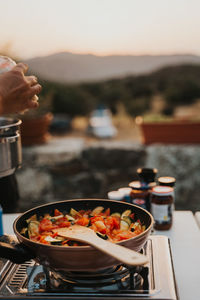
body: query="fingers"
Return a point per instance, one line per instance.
(32, 80)
(21, 67)
(32, 103)
(34, 90)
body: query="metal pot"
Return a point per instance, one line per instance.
(80, 258)
(10, 146)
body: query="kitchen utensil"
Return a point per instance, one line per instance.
(87, 235)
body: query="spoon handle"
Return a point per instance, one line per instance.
(123, 254)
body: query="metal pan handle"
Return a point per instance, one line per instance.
(14, 251)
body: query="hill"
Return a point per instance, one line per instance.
(68, 67)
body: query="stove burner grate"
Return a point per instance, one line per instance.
(120, 277)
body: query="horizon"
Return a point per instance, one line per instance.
(111, 55)
(37, 28)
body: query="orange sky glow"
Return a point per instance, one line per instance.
(102, 27)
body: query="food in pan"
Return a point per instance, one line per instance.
(112, 226)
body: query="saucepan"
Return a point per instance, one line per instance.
(79, 258)
(10, 146)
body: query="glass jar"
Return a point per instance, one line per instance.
(139, 194)
(162, 201)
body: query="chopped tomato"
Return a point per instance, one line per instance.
(132, 216)
(124, 235)
(53, 235)
(64, 224)
(45, 225)
(96, 218)
(112, 223)
(83, 221)
(57, 212)
(107, 212)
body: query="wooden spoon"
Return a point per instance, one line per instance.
(87, 235)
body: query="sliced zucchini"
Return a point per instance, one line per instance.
(136, 225)
(126, 213)
(74, 212)
(124, 225)
(101, 235)
(116, 214)
(55, 218)
(97, 210)
(127, 220)
(53, 241)
(24, 232)
(69, 218)
(32, 218)
(33, 228)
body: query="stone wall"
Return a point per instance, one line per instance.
(67, 168)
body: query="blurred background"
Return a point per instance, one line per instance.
(134, 57)
(104, 63)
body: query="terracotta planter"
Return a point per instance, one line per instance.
(35, 130)
(177, 132)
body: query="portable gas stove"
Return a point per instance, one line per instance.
(155, 280)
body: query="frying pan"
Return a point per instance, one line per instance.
(80, 258)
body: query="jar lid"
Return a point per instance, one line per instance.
(138, 185)
(161, 190)
(125, 191)
(167, 180)
(115, 195)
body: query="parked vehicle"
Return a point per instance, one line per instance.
(100, 123)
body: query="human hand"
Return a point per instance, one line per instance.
(17, 90)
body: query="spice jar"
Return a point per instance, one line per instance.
(139, 194)
(162, 201)
(168, 181)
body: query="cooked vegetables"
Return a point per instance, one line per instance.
(113, 226)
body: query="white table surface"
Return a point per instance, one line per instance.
(185, 243)
(197, 217)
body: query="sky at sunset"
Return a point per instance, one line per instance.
(102, 27)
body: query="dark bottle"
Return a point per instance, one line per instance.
(147, 175)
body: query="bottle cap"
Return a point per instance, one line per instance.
(147, 174)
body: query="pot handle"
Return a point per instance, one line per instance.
(14, 251)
